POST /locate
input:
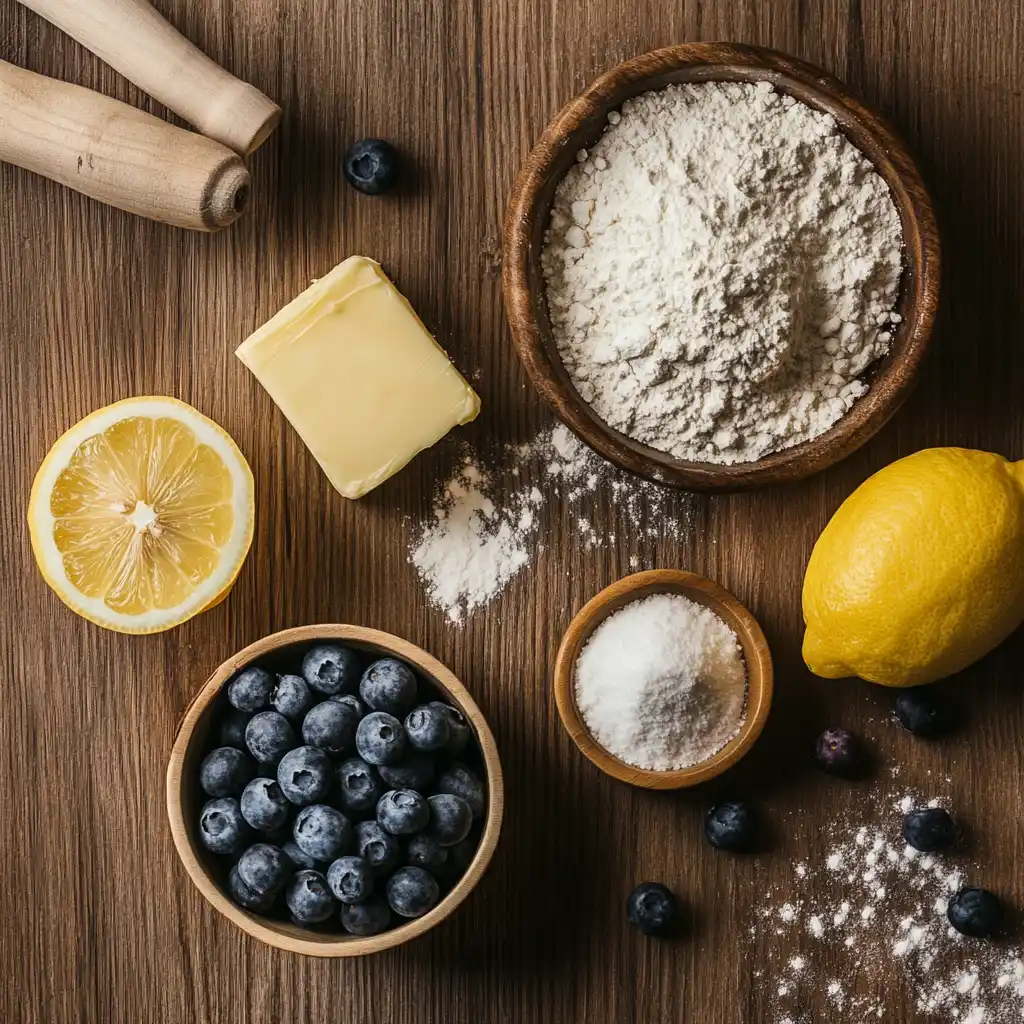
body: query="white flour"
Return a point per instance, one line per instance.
(721, 269)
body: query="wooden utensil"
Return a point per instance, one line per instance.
(136, 40)
(581, 122)
(118, 154)
(191, 744)
(705, 592)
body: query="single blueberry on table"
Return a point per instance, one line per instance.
(451, 818)
(309, 898)
(459, 731)
(653, 909)
(359, 786)
(263, 805)
(299, 857)
(388, 685)
(264, 868)
(250, 690)
(412, 891)
(370, 917)
(427, 728)
(225, 772)
(323, 832)
(246, 896)
(331, 669)
(459, 780)
(378, 848)
(305, 775)
(350, 879)
(291, 697)
(269, 736)
(372, 166)
(232, 729)
(920, 713)
(331, 726)
(350, 700)
(975, 912)
(839, 752)
(380, 738)
(222, 829)
(733, 827)
(403, 812)
(415, 770)
(929, 829)
(423, 852)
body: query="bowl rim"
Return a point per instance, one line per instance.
(283, 935)
(756, 655)
(893, 377)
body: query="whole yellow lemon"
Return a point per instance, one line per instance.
(921, 570)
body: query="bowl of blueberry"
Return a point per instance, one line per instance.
(334, 791)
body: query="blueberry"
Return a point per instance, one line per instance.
(459, 731)
(733, 827)
(309, 897)
(402, 812)
(929, 829)
(380, 738)
(653, 909)
(459, 780)
(370, 917)
(263, 805)
(414, 771)
(304, 775)
(388, 685)
(291, 697)
(372, 166)
(323, 832)
(427, 728)
(350, 700)
(264, 868)
(423, 852)
(975, 912)
(250, 690)
(350, 879)
(359, 785)
(378, 848)
(451, 818)
(298, 856)
(838, 752)
(246, 896)
(412, 892)
(331, 669)
(225, 772)
(269, 736)
(232, 729)
(331, 726)
(222, 829)
(919, 712)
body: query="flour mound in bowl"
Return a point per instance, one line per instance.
(721, 269)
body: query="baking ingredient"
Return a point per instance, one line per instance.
(331, 726)
(388, 685)
(371, 917)
(331, 669)
(921, 570)
(838, 751)
(305, 775)
(225, 772)
(976, 913)
(250, 690)
(377, 847)
(721, 269)
(372, 166)
(291, 697)
(269, 736)
(402, 812)
(263, 805)
(427, 728)
(141, 515)
(661, 683)
(380, 738)
(653, 909)
(412, 891)
(929, 829)
(309, 898)
(919, 712)
(350, 879)
(222, 829)
(358, 376)
(451, 818)
(461, 781)
(732, 826)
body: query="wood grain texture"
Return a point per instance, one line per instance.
(99, 920)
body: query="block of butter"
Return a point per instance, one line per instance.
(359, 377)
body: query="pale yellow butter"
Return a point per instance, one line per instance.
(358, 376)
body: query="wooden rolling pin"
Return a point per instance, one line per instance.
(118, 154)
(136, 40)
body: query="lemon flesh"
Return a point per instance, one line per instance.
(141, 515)
(921, 570)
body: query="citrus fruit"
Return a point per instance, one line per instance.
(141, 515)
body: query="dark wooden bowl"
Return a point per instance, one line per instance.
(581, 123)
(183, 795)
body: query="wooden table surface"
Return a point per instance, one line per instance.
(98, 921)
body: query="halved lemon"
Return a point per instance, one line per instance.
(141, 515)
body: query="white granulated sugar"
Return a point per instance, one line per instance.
(661, 683)
(721, 270)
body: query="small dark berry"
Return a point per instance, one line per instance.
(653, 909)
(412, 892)
(732, 826)
(929, 829)
(359, 785)
(388, 685)
(423, 852)
(322, 832)
(331, 669)
(246, 896)
(378, 848)
(299, 857)
(380, 738)
(402, 812)
(459, 780)
(838, 752)
(350, 700)
(451, 818)
(414, 771)
(919, 712)
(305, 775)
(225, 772)
(269, 736)
(372, 166)
(263, 805)
(427, 728)
(264, 868)
(309, 898)
(291, 697)
(222, 829)
(975, 912)
(459, 731)
(370, 917)
(250, 690)
(350, 879)
(331, 726)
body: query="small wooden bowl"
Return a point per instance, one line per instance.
(580, 124)
(184, 797)
(703, 591)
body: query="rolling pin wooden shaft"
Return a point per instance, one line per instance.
(136, 40)
(117, 154)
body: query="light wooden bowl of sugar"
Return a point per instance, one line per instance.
(756, 657)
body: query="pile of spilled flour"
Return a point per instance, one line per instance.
(482, 530)
(874, 909)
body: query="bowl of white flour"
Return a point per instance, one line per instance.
(720, 270)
